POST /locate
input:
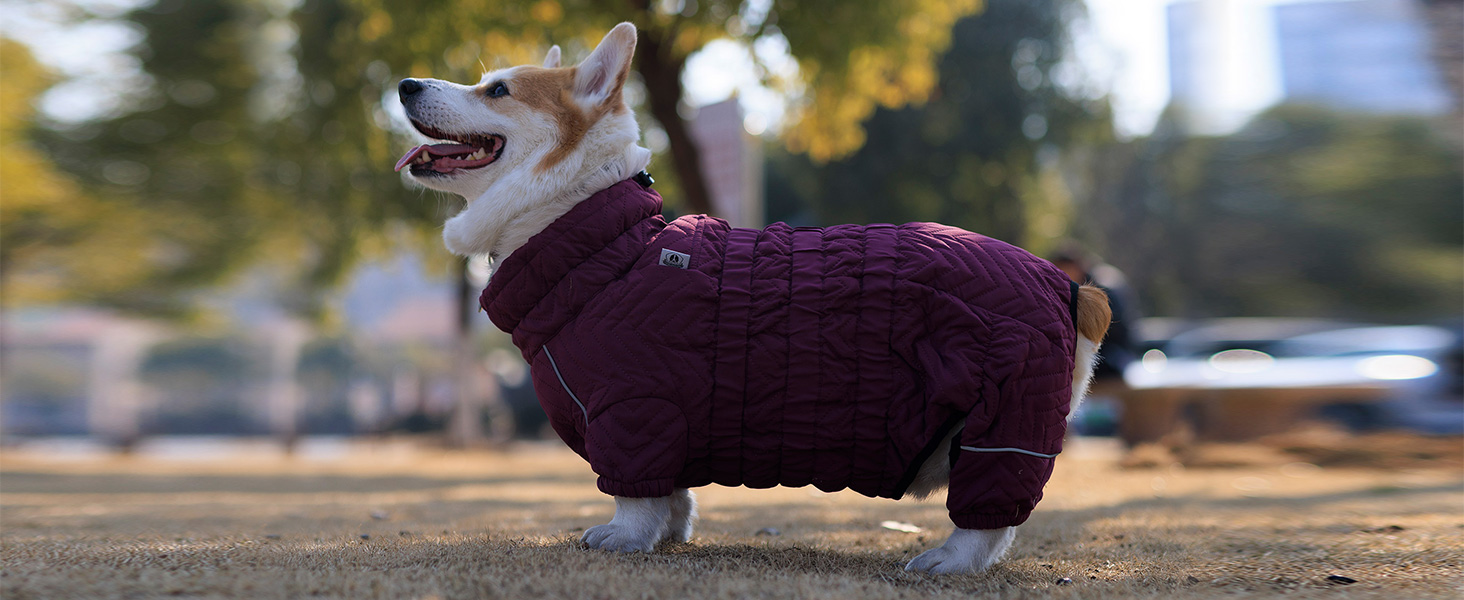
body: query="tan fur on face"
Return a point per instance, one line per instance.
(551, 92)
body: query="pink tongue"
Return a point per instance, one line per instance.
(434, 150)
(410, 156)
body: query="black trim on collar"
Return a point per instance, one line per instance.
(644, 179)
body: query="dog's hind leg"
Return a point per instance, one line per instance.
(966, 551)
(683, 516)
(638, 524)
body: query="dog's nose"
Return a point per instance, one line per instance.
(408, 87)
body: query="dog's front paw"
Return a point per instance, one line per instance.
(966, 551)
(941, 561)
(460, 238)
(619, 538)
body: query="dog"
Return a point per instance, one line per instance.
(891, 360)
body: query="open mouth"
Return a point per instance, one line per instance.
(459, 152)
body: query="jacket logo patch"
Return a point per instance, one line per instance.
(672, 258)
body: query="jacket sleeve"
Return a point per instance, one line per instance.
(637, 447)
(1006, 453)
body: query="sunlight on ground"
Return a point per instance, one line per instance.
(393, 519)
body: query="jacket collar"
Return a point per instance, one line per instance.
(533, 272)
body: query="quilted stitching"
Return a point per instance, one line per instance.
(789, 356)
(637, 446)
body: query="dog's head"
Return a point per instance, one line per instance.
(545, 128)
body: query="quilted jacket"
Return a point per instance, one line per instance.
(688, 353)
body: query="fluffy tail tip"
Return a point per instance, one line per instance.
(1094, 315)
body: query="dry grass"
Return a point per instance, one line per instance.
(394, 521)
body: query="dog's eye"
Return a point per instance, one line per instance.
(497, 90)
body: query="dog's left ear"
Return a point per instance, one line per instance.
(599, 78)
(551, 60)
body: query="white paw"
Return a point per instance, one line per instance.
(940, 561)
(619, 538)
(683, 516)
(459, 239)
(638, 524)
(966, 551)
(678, 534)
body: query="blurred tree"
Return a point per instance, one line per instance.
(243, 158)
(1304, 212)
(232, 162)
(61, 242)
(979, 154)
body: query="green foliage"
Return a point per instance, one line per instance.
(1305, 212)
(60, 240)
(248, 149)
(963, 158)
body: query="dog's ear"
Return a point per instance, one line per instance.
(551, 61)
(599, 78)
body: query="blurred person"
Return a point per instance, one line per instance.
(1119, 348)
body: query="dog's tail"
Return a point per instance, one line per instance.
(1094, 315)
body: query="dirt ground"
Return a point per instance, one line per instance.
(394, 519)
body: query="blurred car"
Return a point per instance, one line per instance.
(1238, 378)
(1420, 367)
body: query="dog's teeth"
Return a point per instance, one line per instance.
(478, 155)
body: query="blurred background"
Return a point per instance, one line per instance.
(201, 233)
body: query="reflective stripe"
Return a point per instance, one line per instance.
(1017, 450)
(576, 399)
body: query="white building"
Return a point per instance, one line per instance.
(1369, 55)
(732, 162)
(1230, 59)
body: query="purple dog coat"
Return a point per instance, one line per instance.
(688, 353)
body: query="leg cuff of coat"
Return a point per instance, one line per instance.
(990, 520)
(650, 488)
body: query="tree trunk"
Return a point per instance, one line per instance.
(661, 71)
(465, 427)
(286, 340)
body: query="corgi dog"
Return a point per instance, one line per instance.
(530, 148)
